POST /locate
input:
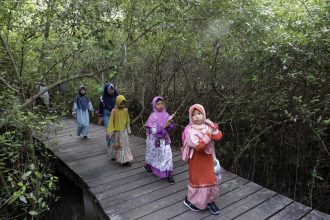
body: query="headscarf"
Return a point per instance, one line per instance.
(202, 110)
(156, 116)
(109, 101)
(82, 100)
(119, 118)
(199, 131)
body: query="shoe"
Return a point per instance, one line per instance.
(171, 180)
(190, 206)
(85, 137)
(113, 159)
(213, 208)
(127, 164)
(147, 169)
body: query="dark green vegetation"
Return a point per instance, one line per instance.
(260, 68)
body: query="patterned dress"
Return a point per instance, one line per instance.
(118, 129)
(158, 151)
(119, 147)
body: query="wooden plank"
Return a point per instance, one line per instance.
(293, 211)
(69, 158)
(223, 201)
(148, 208)
(266, 209)
(65, 133)
(102, 166)
(138, 198)
(115, 200)
(140, 174)
(141, 196)
(179, 208)
(73, 157)
(99, 178)
(146, 180)
(165, 202)
(92, 140)
(85, 148)
(119, 175)
(106, 191)
(81, 144)
(243, 205)
(316, 215)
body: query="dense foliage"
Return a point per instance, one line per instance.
(259, 67)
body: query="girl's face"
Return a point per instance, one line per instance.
(111, 91)
(82, 91)
(122, 104)
(160, 106)
(197, 117)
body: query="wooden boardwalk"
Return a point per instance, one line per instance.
(119, 192)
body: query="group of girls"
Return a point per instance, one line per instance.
(197, 142)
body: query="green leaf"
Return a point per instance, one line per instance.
(14, 197)
(316, 176)
(25, 175)
(38, 175)
(33, 213)
(23, 199)
(113, 74)
(32, 166)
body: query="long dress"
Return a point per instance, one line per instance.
(119, 147)
(119, 127)
(158, 151)
(82, 118)
(203, 185)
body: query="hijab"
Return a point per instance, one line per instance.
(109, 101)
(157, 117)
(202, 110)
(119, 118)
(81, 99)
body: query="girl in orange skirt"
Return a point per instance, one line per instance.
(198, 150)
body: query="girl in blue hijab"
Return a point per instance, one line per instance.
(81, 108)
(108, 102)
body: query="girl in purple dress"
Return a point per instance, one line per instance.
(158, 151)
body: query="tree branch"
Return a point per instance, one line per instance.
(28, 102)
(8, 85)
(144, 33)
(5, 45)
(248, 145)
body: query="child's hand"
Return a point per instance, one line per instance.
(74, 114)
(209, 130)
(168, 123)
(129, 132)
(209, 122)
(170, 118)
